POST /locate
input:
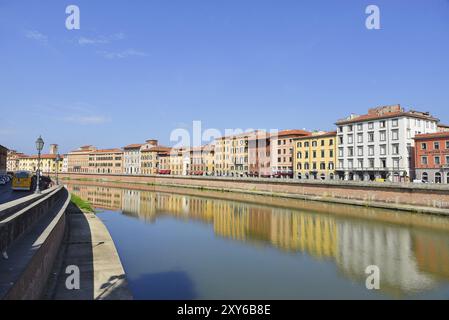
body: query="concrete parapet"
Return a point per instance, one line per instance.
(32, 237)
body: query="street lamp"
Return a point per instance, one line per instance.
(39, 146)
(58, 158)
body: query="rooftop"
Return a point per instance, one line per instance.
(386, 112)
(441, 134)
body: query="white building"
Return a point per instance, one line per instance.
(131, 155)
(65, 163)
(380, 144)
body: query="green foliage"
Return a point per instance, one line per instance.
(82, 204)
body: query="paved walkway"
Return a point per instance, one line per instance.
(89, 246)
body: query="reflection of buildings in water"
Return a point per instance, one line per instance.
(407, 261)
(313, 233)
(99, 197)
(131, 201)
(361, 245)
(432, 254)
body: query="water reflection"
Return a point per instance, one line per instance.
(412, 251)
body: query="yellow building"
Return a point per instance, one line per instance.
(315, 156)
(176, 161)
(232, 154)
(47, 165)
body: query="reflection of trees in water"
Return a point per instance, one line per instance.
(408, 261)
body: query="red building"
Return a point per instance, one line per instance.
(432, 157)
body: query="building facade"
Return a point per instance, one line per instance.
(314, 156)
(131, 159)
(150, 154)
(176, 161)
(48, 163)
(106, 161)
(282, 152)
(259, 153)
(232, 155)
(3, 159)
(432, 157)
(379, 145)
(78, 160)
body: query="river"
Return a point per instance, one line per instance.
(193, 244)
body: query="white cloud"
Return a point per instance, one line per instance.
(87, 120)
(83, 41)
(123, 54)
(36, 35)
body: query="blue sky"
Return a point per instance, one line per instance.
(139, 69)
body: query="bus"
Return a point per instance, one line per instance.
(23, 180)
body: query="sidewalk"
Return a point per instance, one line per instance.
(89, 246)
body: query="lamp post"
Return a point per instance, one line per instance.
(58, 158)
(39, 147)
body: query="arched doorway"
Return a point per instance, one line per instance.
(437, 177)
(425, 177)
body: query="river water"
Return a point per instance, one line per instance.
(192, 244)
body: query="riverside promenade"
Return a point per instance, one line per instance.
(88, 245)
(419, 198)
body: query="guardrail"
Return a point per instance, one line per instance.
(32, 237)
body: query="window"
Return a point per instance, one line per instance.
(322, 143)
(350, 139)
(437, 160)
(436, 145)
(322, 154)
(395, 134)
(306, 144)
(396, 163)
(370, 136)
(360, 161)
(360, 151)
(395, 148)
(340, 139)
(314, 144)
(383, 136)
(371, 163)
(424, 160)
(382, 124)
(331, 142)
(314, 154)
(360, 138)
(425, 177)
(383, 149)
(424, 146)
(350, 164)
(350, 127)
(340, 129)
(437, 177)
(340, 152)
(331, 153)
(371, 150)
(447, 159)
(299, 144)
(395, 123)
(371, 125)
(383, 163)
(350, 152)
(299, 155)
(360, 127)
(447, 144)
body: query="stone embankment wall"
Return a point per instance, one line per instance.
(425, 198)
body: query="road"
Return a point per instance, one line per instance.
(6, 193)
